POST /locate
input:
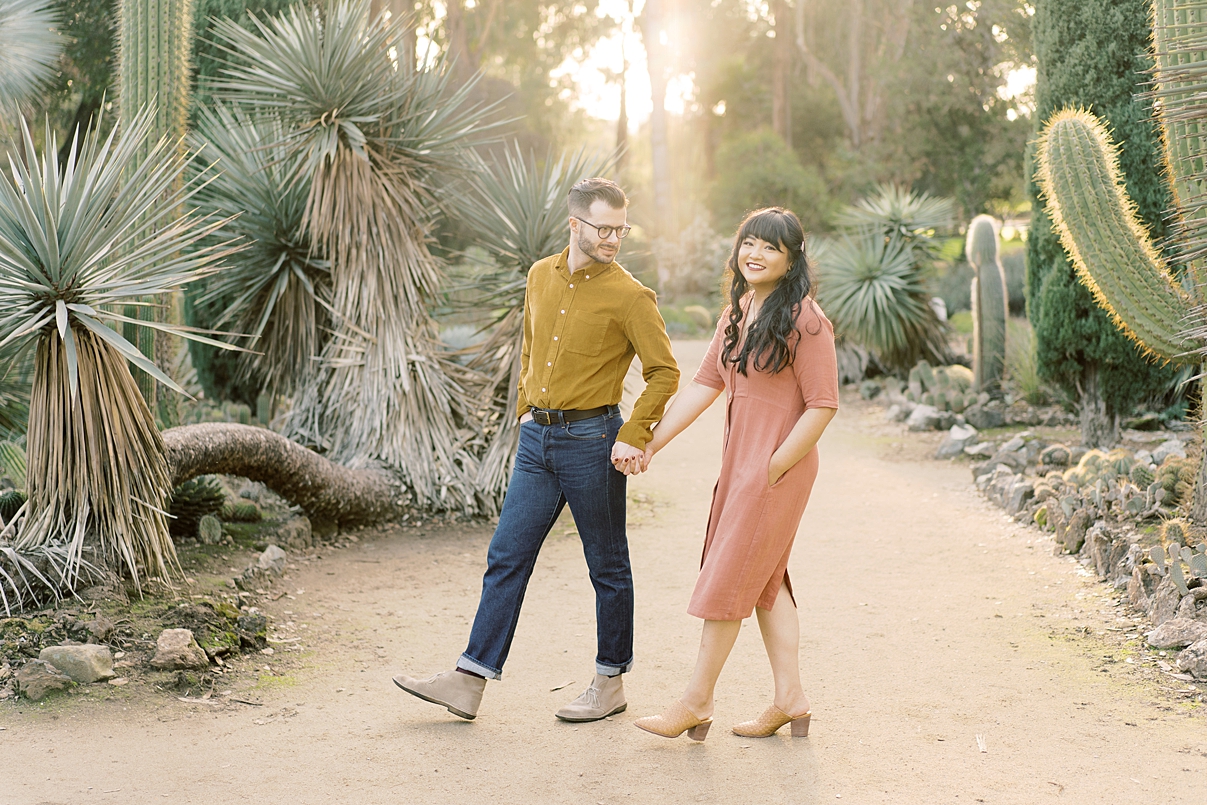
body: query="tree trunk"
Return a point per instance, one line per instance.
(656, 59)
(1099, 424)
(781, 109)
(458, 41)
(325, 490)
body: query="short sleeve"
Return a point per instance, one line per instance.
(709, 374)
(815, 363)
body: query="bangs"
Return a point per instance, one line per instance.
(770, 225)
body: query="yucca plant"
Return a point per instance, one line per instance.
(517, 212)
(874, 291)
(380, 142)
(27, 57)
(76, 248)
(278, 289)
(1156, 302)
(914, 218)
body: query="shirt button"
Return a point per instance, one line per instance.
(549, 364)
(563, 312)
(555, 338)
(542, 389)
(572, 285)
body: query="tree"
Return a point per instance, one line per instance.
(1094, 54)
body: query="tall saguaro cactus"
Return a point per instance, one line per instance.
(1159, 305)
(989, 304)
(155, 40)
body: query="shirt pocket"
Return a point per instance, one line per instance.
(585, 333)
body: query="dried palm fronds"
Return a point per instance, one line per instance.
(379, 142)
(78, 242)
(517, 212)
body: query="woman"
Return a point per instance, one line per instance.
(773, 355)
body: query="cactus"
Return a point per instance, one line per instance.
(191, 501)
(1114, 256)
(209, 530)
(10, 503)
(944, 387)
(241, 513)
(1174, 531)
(155, 40)
(989, 303)
(1142, 476)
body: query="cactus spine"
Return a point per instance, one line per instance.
(989, 304)
(1112, 251)
(155, 40)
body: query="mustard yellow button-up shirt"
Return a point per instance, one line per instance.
(581, 332)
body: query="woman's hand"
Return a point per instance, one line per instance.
(777, 468)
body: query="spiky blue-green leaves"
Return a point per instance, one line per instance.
(1079, 177)
(30, 47)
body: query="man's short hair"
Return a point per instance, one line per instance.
(588, 191)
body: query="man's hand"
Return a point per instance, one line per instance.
(527, 417)
(628, 459)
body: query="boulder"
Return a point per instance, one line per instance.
(252, 629)
(1170, 449)
(1019, 496)
(984, 416)
(1140, 588)
(37, 679)
(1193, 660)
(980, 450)
(1165, 603)
(958, 438)
(895, 413)
(869, 389)
(1106, 550)
(84, 664)
(923, 417)
(294, 533)
(272, 560)
(176, 649)
(1177, 633)
(1072, 537)
(1014, 460)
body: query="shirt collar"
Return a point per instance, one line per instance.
(597, 270)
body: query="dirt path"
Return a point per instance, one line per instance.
(928, 619)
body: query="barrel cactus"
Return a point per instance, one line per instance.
(989, 303)
(1158, 303)
(191, 501)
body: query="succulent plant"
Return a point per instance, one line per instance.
(944, 387)
(193, 500)
(247, 512)
(1142, 476)
(989, 303)
(10, 503)
(12, 463)
(1174, 530)
(209, 530)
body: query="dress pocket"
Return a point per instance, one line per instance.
(585, 333)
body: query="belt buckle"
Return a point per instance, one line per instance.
(541, 417)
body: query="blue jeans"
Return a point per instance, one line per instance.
(555, 465)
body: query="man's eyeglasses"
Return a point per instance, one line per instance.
(605, 232)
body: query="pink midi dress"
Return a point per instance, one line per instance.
(751, 526)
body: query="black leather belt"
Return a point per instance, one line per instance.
(545, 416)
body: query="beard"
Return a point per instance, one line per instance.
(592, 250)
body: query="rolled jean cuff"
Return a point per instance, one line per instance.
(467, 663)
(613, 670)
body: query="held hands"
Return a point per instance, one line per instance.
(628, 459)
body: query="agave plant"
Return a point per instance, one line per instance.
(871, 286)
(277, 290)
(378, 141)
(912, 217)
(517, 212)
(78, 242)
(31, 47)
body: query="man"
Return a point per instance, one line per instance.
(585, 318)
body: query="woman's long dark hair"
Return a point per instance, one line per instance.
(771, 338)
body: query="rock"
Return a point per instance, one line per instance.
(1193, 660)
(252, 629)
(1074, 531)
(1140, 588)
(1000, 484)
(1015, 444)
(1105, 550)
(209, 530)
(272, 560)
(177, 650)
(895, 413)
(37, 679)
(84, 664)
(1176, 633)
(1009, 458)
(924, 417)
(294, 533)
(1166, 601)
(958, 438)
(981, 449)
(1055, 455)
(252, 490)
(1019, 495)
(1172, 448)
(1144, 457)
(869, 389)
(983, 417)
